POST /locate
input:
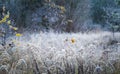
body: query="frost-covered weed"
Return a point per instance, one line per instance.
(75, 53)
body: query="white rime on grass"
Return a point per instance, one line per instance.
(63, 53)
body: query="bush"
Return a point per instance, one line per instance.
(98, 12)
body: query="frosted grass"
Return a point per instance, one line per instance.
(55, 53)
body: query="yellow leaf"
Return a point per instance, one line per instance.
(3, 20)
(18, 34)
(15, 28)
(62, 8)
(73, 40)
(9, 22)
(7, 16)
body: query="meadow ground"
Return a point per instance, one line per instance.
(61, 53)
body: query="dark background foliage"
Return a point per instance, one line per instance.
(84, 14)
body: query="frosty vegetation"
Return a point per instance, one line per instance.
(59, 36)
(53, 53)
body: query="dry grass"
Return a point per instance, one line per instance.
(53, 53)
